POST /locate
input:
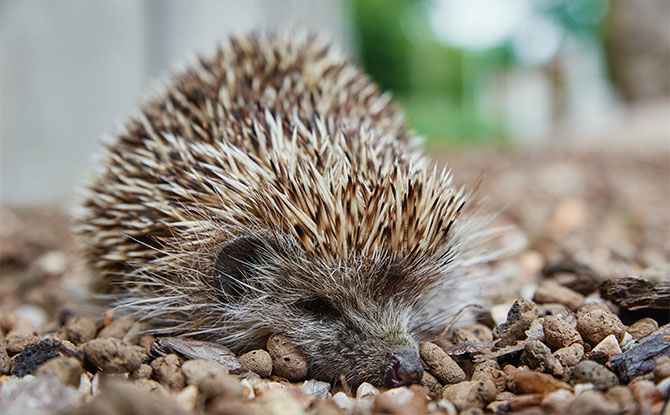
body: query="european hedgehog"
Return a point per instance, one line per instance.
(271, 188)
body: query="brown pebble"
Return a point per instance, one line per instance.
(78, 330)
(117, 328)
(258, 361)
(151, 387)
(526, 381)
(474, 333)
(624, 399)
(559, 333)
(16, 343)
(519, 318)
(143, 372)
(440, 364)
(646, 394)
(592, 402)
(401, 401)
(118, 398)
(166, 371)
(594, 326)
(467, 394)
(211, 378)
(605, 350)
(5, 362)
(558, 401)
(67, 369)
(287, 362)
(490, 369)
(570, 356)
(537, 355)
(146, 341)
(662, 368)
(112, 355)
(642, 327)
(432, 384)
(552, 292)
(592, 372)
(222, 405)
(197, 370)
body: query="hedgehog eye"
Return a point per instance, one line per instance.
(318, 306)
(235, 263)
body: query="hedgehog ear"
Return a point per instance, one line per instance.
(236, 263)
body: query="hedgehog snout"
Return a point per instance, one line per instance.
(403, 368)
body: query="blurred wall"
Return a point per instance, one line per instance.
(73, 70)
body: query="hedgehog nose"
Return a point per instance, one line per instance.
(404, 368)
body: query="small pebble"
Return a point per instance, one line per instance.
(32, 357)
(188, 397)
(559, 333)
(467, 394)
(16, 343)
(258, 361)
(440, 364)
(401, 401)
(527, 381)
(432, 384)
(5, 362)
(112, 355)
(67, 369)
(537, 355)
(589, 371)
(366, 390)
(476, 333)
(317, 388)
(558, 401)
(623, 398)
(606, 349)
(594, 326)
(343, 401)
(570, 356)
(490, 369)
(197, 370)
(287, 362)
(646, 395)
(117, 328)
(166, 371)
(143, 372)
(78, 330)
(552, 292)
(592, 402)
(662, 368)
(519, 318)
(642, 327)
(222, 405)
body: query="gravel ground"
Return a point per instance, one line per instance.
(569, 331)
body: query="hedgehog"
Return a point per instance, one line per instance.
(272, 188)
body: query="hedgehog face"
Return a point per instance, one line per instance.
(337, 315)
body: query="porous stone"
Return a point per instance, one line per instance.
(197, 370)
(112, 355)
(559, 333)
(67, 369)
(623, 398)
(527, 381)
(642, 327)
(570, 356)
(258, 361)
(537, 355)
(16, 343)
(78, 330)
(166, 370)
(468, 394)
(286, 359)
(432, 384)
(490, 370)
(143, 372)
(519, 318)
(552, 292)
(440, 364)
(595, 325)
(589, 371)
(117, 328)
(474, 333)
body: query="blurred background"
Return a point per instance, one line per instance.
(514, 73)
